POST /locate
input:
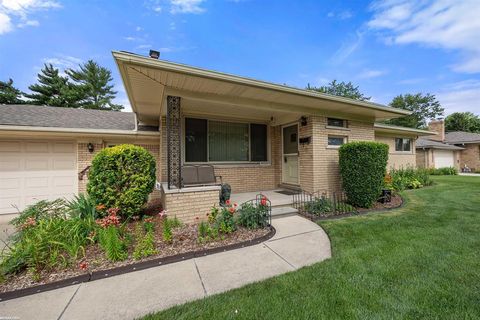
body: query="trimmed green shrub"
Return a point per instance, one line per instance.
(363, 166)
(122, 177)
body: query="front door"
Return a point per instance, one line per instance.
(290, 154)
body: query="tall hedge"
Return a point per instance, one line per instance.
(363, 166)
(122, 177)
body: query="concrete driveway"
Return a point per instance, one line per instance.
(297, 243)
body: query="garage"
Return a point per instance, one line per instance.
(36, 170)
(444, 158)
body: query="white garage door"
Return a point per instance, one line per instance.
(444, 158)
(35, 170)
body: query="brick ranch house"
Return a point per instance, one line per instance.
(257, 135)
(448, 149)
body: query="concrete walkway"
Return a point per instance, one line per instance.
(297, 243)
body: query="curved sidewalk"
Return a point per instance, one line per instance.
(297, 243)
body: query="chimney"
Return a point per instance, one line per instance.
(154, 54)
(439, 127)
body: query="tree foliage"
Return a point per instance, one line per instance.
(342, 89)
(462, 121)
(53, 90)
(93, 82)
(9, 94)
(423, 106)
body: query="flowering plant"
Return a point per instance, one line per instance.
(30, 222)
(111, 219)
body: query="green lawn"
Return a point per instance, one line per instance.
(421, 261)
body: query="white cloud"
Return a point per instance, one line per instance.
(446, 24)
(369, 74)
(138, 29)
(20, 10)
(460, 96)
(29, 23)
(63, 61)
(186, 6)
(347, 48)
(5, 23)
(343, 15)
(143, 46)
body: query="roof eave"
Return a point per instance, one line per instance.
(380, 127)
(124, 57)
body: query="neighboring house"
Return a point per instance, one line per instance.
(453, 149)
(257, 135)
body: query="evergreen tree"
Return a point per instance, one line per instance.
(9, 94)
(93, 81)
(342, 89)
(53, 89)
(423, 107)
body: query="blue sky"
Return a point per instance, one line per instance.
(387, 47)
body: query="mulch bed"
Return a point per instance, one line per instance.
(185, 240)
(396, 202)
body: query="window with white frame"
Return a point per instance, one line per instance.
(221, 141)
(403, 144)
(336, 141)
(334, 122)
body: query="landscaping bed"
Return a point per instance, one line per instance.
(184, 240)
(109, 230)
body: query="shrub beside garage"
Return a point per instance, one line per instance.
(122, 177)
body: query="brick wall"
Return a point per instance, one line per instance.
(470, 156)
(187, 206)
(84, 159)
(325, 167)
(397, 160)
(439, 127)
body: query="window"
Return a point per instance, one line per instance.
(333, 122)
(195, 140)
(336, 140)
(220, 141)
(403, 144)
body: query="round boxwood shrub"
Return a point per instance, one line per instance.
(122, 177)
(363, 166)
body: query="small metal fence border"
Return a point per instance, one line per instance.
(338, 201)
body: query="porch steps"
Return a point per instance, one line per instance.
(282, 211)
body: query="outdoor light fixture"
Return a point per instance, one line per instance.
(154, 54)
(90, 147)
(303, 121)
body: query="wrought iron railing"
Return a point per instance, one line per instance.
(326, 203)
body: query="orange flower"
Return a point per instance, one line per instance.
(83, 265)
(232, 210)
(100, 207)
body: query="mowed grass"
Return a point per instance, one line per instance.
(420, 261)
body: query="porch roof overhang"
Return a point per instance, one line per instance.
(390, 129)
(149, 81)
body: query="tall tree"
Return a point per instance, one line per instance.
(9, 94)
(94, 83)
(342, 89)
(53, 89)
(423, 106)
(462, 121)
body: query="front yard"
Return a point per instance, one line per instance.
(421, 261)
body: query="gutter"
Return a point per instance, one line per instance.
(78, 130)
(215, 75)
(403, 129)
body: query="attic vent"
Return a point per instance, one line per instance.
(154, 54)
